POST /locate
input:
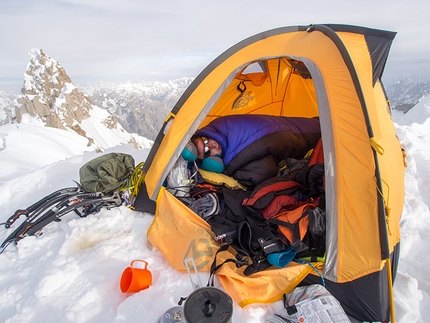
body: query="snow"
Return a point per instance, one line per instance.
(71, 273)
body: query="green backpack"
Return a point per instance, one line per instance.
(106, 173)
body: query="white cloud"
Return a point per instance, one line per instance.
(99, 40)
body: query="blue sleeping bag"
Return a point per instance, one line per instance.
(253, 145)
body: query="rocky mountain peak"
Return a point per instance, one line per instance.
(48, 95)
(44, 76)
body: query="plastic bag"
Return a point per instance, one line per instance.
(310, 304)
(178, 179)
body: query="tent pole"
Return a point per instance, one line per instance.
(390, 290)
(384, 231)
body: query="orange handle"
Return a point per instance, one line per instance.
(146, 264)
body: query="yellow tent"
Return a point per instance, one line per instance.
(330, 71)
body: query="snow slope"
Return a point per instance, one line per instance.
(71, 272)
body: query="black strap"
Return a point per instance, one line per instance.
(239, 261)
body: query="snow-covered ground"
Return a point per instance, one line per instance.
(71, 273)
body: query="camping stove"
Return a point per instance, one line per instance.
(173, 315)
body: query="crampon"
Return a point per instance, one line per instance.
(54, 206)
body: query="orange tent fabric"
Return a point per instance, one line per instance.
(330, 71)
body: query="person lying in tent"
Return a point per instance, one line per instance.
(250, 147)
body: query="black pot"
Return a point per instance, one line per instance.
(208, 304)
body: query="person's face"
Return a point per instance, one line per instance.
(207, 147)
(214, 147)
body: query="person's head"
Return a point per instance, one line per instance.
(207, 147)
(207, 151)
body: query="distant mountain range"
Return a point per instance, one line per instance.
(137, 108)
(407, 92)
(140, 107)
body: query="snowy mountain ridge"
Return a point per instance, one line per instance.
(49, 95)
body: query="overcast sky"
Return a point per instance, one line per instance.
(150, 40)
